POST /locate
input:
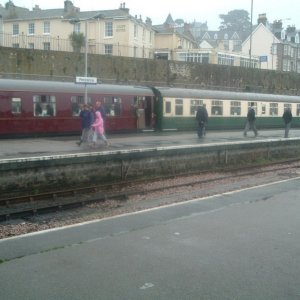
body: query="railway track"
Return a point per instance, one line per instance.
(28, 205)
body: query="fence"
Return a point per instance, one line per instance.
(57, 44)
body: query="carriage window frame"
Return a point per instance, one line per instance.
(273, 110)
(254, 106)
(168, 107)
(16, 106)
(194, 104)
(113, 106)
(77, 104)
(44, 106)
(178, 107)
(263, 108)
(235, 108)
(298, 110)
(217, 108)
(286, 106)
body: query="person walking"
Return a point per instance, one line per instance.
(202, 119)
(86, 122)
(250, 123)
(98, 127)
(287, 118)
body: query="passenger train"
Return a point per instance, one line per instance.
(33, 108)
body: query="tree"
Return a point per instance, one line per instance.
(236, 20)
(179, 22)
(77, 41)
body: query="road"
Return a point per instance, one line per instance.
(238, 245)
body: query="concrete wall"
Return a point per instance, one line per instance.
(44, 174)
(50, 65)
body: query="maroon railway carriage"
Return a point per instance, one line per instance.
(51, 108)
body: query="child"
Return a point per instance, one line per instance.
(98, 127)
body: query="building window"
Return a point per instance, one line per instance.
(224, 59)
(44, 106)
(217, 108)
(235, 108)
(108, 49)
(16, 45)
(15, 29)
(237, 46)
(31, 46)
(16, 107)
(108, 29)
(31, 29)
(194, 106)
(135, 31)
(113, 106)
(273, 109)
(135, 51)
(46, 27)
(178, 107)
(76, 27)
(46, 46)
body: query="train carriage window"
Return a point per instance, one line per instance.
(273, 109)
(287, 106)
(16, 107)
(76, 104)
(263, 109)
(254, 105)
(235, 108)
(194, 106)
(168, 107)
(298, 110)
(44, 106)
(113, 106)
(217, 108)
(178, 107)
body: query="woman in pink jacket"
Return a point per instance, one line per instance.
(98, 127)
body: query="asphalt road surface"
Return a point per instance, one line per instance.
(239, 245)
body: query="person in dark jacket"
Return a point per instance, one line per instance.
(250, 123)
(86, 123)
(287, 118)
(202, 119)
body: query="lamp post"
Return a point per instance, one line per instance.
(85, 51)
(251, 23)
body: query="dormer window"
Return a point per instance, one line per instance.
(297, 38)
(216, 36)
(283, 34)
(226, 36)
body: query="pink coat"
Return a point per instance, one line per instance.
(98, 124)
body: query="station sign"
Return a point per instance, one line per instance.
(86, 80)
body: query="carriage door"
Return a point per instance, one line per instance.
(148, 112)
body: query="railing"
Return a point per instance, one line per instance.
(49, 43)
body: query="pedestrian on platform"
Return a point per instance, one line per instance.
(287, 118)
(250, 123)
(98, 127)
(99, 107)
(86, 122)
(202, 119)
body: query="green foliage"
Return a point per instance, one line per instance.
(236, 20)
(77, 41)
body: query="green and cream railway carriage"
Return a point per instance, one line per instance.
(176, 108)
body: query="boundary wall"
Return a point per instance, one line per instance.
(65, 66)
(58, 172)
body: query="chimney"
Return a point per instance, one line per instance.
(262, 18)
(68, 6)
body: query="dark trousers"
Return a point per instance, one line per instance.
(201, 129)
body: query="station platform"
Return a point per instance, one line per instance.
(33, 147)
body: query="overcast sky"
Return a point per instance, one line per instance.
(188, 10)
